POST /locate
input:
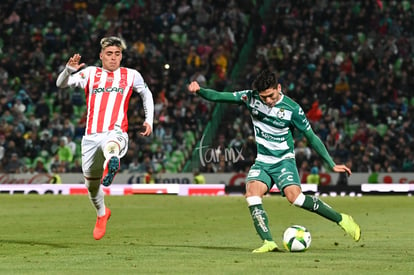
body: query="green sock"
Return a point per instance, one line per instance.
(260, 221)
(319, 207)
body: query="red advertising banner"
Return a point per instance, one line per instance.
(116, 189)
(228, 179)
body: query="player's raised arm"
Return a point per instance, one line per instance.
(71, 66)
(73, 63)
(213, 95)
(194, 87)
(340, 168)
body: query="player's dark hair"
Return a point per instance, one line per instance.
(265, 80)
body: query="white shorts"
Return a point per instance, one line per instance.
(92, 151)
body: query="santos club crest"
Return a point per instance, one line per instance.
(281, 113)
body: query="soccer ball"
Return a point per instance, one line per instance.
(296, 238)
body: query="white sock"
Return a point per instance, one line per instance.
(254, 200)
(96, 195)
(299, 200)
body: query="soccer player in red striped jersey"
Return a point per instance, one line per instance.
(107, 92)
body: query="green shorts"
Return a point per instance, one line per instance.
(281, 174)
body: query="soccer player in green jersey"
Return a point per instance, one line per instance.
(274, 115)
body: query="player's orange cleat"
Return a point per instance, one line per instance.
(111, 168)
(100, 226)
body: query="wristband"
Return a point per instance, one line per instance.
(70, 69)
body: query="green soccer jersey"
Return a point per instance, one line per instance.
(272, 125)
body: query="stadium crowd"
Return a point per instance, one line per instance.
(170, 43)
(348, 63)
(350, 66)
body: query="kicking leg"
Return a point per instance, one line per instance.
(311, 203)
(112, 162)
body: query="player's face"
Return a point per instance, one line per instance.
(271, 96)
(111, 58)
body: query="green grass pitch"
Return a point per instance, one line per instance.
(163, 234)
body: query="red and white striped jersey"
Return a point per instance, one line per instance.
(107, 97)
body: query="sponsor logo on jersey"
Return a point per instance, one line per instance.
(274, 121)
(108, 90)
(269, 137)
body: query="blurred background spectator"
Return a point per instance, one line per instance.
(313, 176)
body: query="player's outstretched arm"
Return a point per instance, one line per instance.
(194, 87)
(73, 62)
(340, 168)
(71, 66)
(212, 95)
